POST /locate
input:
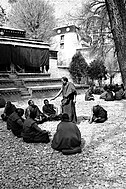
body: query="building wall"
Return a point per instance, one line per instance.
(66, 47)
(58, 72)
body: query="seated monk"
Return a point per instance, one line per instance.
(9, 109)
(50, 111)
(2, 102)
(99, 114)
(39, 116)
(32, 133)
(67, 138)
(119, 94)
(103, 95)
(109, 95)
(88, 95)
(15, 122)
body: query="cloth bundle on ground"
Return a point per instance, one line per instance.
(67, 138)
(15, 122)
(32, 133)
(9, 109)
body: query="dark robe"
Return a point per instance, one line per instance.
(50, 112)
(99, 113)
(103, 95)
(68, 106)
(2, 102)
(88, 96)
(39, 115)
(109, 96)
(119, 94)
(32, 133)
(8, 111)
(67, 137)
(15, 123)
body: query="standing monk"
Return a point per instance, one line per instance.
(69, 94)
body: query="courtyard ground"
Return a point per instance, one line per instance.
(101, 165)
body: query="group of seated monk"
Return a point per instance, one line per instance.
(67, 138)
(113, 92)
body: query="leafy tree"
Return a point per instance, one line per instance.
(36, 17)
(78, 67)
(97, 70)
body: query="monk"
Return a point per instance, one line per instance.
(67, 138)
(15, 122)
(99, 114)
(39, 116)
(32, 133)
(88, 95)
(109, 96)
(2, 102)
(50, 111)
(9, 109)
(69, 94)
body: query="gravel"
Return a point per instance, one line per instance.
(101, 165)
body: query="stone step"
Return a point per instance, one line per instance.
(33, 75)
(8, 75)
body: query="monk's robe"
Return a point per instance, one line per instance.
(89, 96)
(103, 95)
(32, 133)
(68, 106)
(99, 113)
(39, 115)
(2, 102)
(67, 137)
(8, 111)
(109, 96)
(15, 124)
(119, 94)
(50, 112)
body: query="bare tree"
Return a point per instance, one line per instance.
(3, 17)
(36, 17)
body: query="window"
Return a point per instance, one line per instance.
(58, 31)
(62, 37)
(62, 45)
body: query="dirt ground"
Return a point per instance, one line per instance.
(101, 165)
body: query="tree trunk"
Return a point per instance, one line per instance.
(111, 79)
(117, 15)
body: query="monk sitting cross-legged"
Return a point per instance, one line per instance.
(67, 138)
(50, 111)
(32, 133)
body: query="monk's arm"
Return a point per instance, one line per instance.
(35, 126)
(58, 94)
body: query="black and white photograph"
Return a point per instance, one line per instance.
(62, 94)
